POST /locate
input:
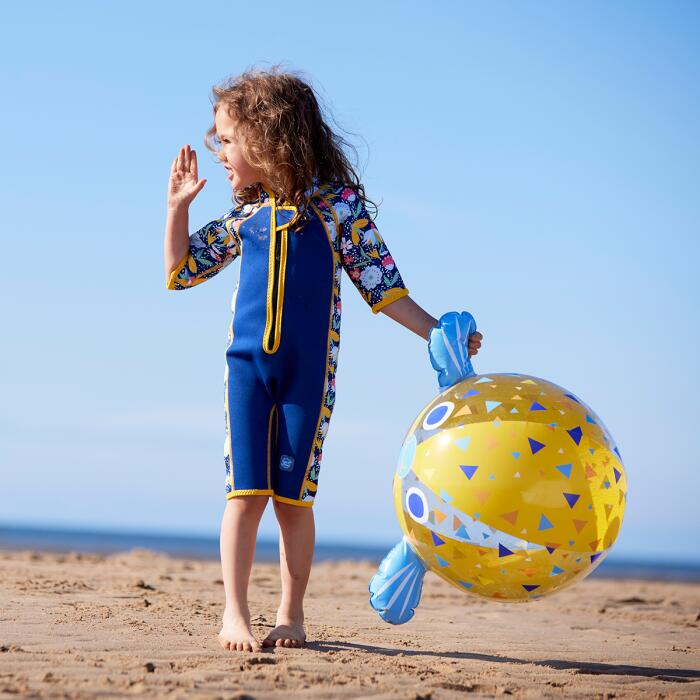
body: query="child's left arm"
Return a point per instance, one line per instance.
(406, 312)
(373, 271)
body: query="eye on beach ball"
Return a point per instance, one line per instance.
(507, 486)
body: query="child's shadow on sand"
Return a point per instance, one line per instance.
(677, 675)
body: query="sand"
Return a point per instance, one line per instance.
(142, 623)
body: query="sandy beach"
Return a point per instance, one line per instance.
(142, 623)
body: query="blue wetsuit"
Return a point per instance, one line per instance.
(284, 335)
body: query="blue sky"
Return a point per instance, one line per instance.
(535, 164)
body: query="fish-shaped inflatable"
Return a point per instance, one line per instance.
(507, 486)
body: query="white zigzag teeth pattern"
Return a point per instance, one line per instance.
(478, 533)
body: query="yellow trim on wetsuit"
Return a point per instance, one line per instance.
(288, 207)
(228, 421)
(284, 229)
(280, 288)
(390, 296)
(269, 433)
(275, 274)
(305, 481)
(271, 274)
(334, 215)
(249, 492)
(171, 278)
(284, 499)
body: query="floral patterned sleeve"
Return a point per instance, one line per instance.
(212, 248)
(364, 253)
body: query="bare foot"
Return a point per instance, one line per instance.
(287, 633)
(236, 634)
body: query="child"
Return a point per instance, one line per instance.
(299, 218)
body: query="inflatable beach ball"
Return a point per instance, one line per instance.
(509, 487)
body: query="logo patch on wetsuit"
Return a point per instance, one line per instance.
(286, 463)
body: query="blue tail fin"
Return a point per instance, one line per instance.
(396, 587)
(448, 347)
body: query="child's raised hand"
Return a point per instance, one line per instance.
(184, 185)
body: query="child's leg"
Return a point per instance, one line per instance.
(297, 536)
(239, 528)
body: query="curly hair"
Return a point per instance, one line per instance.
(282, 131)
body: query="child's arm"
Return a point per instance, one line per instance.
(189, 260)
(177, 238)
(373, 271)
(206, 252)
(409, 314)
(406, 312)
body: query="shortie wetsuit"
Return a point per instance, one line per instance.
(284, 335)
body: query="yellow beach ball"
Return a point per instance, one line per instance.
(509, 487)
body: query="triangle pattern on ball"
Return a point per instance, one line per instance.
(580, 524)
(468, 470)
(535, 445)
(545, 523)
(565, 469)
(511, 517)
(571, 498)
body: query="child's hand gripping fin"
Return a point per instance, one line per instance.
(448, 347)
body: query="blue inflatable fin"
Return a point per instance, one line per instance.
(448, 347)
(396, 587)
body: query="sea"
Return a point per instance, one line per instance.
(16, 537)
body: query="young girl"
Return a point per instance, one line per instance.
(299, 218)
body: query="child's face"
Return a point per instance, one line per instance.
(240, 172)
